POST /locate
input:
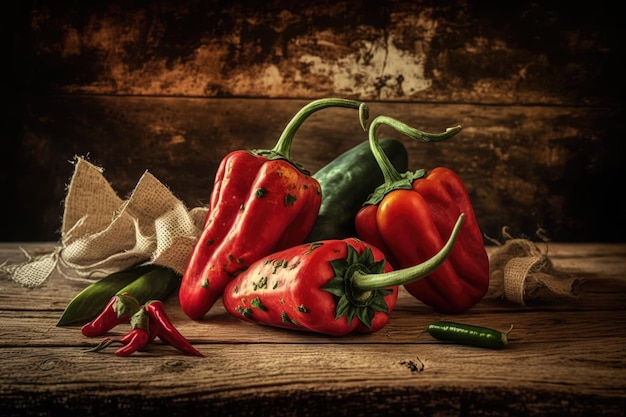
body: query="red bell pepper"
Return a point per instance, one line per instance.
(407, 218)
(262, 201)
(333, 287)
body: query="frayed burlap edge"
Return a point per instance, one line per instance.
(102, 234)
(520, 272)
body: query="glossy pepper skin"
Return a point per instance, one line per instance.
(118, 310)
(166, 329)
(143, 331)
(333, 287)
(150, 321)
(261, 202)
(408, 218)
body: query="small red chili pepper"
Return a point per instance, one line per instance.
(408, 218)
(119, 310)
(136, 340)
(332, 287)
(143, 332)
(167, 332)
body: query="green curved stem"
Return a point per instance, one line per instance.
(369, 282)
(389, 171)
(283, 146)
(394, 180)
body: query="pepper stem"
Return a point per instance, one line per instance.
(393, 179)
(369, 282)
(282, 149)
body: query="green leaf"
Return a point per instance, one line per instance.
(126, 305)
(360, 305)
(352, 257)
(343, 306)
(379, 304)
(366, 257)
(87, 304)
(340, 266)
(140, 320)
(377, 267)
(366, 316)
(352, 310)
(335, 286)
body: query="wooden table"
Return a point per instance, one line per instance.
(564, 358)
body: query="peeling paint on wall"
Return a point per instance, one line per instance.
(378, 69)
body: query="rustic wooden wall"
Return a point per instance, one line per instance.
(171, 87)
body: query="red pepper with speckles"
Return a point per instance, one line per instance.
(333, 287)
(261, 202)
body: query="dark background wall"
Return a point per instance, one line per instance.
(171, 87)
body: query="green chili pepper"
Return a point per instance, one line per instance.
(467, 334)
(87, 304)
(142, 283)
(156, 284)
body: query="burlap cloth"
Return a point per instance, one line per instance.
(521, 272)
(101, 233)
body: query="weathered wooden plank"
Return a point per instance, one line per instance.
(563, 359)
(602, 267)
(251, 377)
(531, 326)
(397, 51)
(523, 166)
(598, 310)
(394, 50)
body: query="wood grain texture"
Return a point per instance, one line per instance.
(170, 87)
(523, 167)
(374, 50)
(564, 358)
